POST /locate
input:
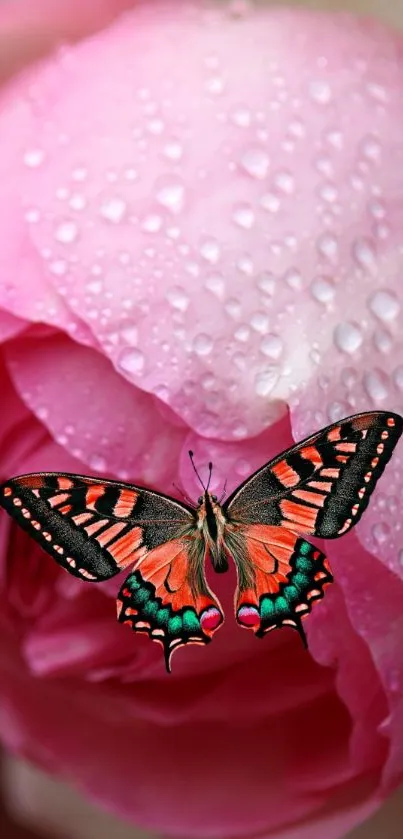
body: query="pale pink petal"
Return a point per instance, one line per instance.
(91, 411)
(10, 326)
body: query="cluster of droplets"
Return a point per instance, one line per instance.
(250, 309)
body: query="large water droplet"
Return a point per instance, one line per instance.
(152, 223)
(284, 181)
(384, 304)
(348, 337)
(66, 232)
(171, 194)
(266, 380)
(243, 216)
(364, 253)
(322, 289)
(98, 462)
(202, 344)
(178, 298)
(241, 117)
(328, 246)
(210, 250)
(376, 385)
(270, 202)
(320, 91)
(259, 322)
(272, 346)
(256, 162)
(131, 361)
(113, 210)
(266, 283)
(216, 284)
(34, 158)
(173, 150)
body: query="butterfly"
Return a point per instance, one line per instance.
(320, 487)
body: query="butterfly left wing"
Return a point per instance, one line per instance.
(96, 528)
(320, 487)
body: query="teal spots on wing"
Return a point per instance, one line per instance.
(190, 620)
(162, 616)
(304, 548)
(291, 594)
(301, 581)
(150, 609)
(175, 625)
(266, 608)
(132, 582)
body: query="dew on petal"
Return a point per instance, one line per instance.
(266, 381)
(202, 344)
(272, 346)
(376, 385)
(323, 289)
(266, 282)
(178, 298)
(243, 216)
(113, 210)
(270, 202)
(171, 194)
(66, 232)
(348, 337)
(131, 361)
(256, 162)
(384, 305)
(320, 92)
(241, 117)
(380, 532)
(364, 253)
(173, 150)
(259, 322)
(397, 377)
(210, 250)
(216, 284)
(34, 158)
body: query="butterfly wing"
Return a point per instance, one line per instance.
(320, 487)
(95, 528)
(280, 575)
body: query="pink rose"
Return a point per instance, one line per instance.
(201, 247)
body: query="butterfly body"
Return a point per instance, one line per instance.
(95, 528)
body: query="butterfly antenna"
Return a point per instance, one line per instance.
(210, 471)
(224, 492)
(183, 494)
(195, 470)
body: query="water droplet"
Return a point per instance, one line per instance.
(364, 253)
(113, 210)
(380, 532)
(233, 308)
(94, 286)
(371, 148)
(131, 361)
(284, 181)
(328, 247)
(400, 557)
(77, 202)
(243, 216)
(320, 92)
(210, 250)
(376, 385)
(348, 337)
(215, 283)
(152, 223)
(383, 341)
(42, 412)
(337, 411)
(155, 126)
(202, 344)
(245, 264)
(322, 289)
(270, 202)
(66, 232)
(329, 193)
(98, 462)
(130, 334)
(34, 158)
(266, 380)
(272, 346)
(173, 150)
(80, 174)
(241, 117)
(377, 92)
(242, 333)
(266, 282)
(215, 85)
(296, 128)
(384, 305)
(293, 279)
(397, 376)
(255, 161)
(178, 298)
(171, 194)
(259, 322)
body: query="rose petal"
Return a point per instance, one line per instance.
(92, 412)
